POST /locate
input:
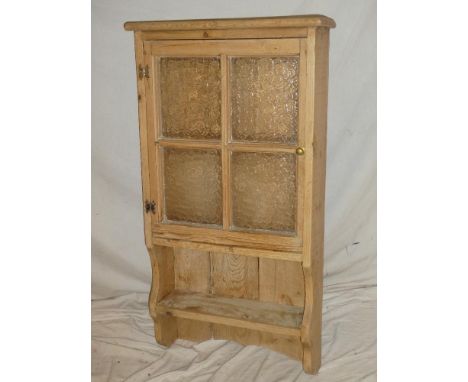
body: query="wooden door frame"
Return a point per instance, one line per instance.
(256, 239)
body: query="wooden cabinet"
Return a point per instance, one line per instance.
(232, 118)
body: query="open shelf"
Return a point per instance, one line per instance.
(238, 312)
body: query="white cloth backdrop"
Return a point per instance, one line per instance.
(120, 263)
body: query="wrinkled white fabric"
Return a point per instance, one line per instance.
(120, 263)
(123, 347)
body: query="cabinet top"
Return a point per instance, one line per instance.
(253, 22)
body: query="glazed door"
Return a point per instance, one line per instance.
(225, 130)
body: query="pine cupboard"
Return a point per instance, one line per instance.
(233, 120)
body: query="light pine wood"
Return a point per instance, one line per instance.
(218, 236)
(144, 152)
(314, 204)
(154, 156)
(162, 284)
(290, 256)
(255, 287)
(253, 22)
(234, 276)
(192, 273)
(247, 47)
(192, 270)
(216, 34)
(238, 312)
(227, 208)
(281, 282)
(152, 103)
(186, 144)
(262, 147)
(286, 344)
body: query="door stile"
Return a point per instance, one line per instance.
(154, 152)
(144, 144)
(224, 142)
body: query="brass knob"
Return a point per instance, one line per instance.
(299, 151)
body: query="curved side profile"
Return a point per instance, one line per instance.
(162, 283)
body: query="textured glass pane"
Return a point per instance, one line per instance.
(192, 185)
(191, 97)
(264, 99)
(264, 190)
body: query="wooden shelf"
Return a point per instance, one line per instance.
(242, 313)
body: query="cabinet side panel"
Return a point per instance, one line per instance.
(192, 273)
(162, 264)
(316, 141)
(281, 282)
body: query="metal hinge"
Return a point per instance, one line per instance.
(150, 206)
(143, 72)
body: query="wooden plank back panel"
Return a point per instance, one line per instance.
(234, 276)
(281, 282)
(192, 273)
(192, 270)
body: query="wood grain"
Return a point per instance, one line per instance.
(216, 34)
(152, 113)
(192, 273)
(253, 22)
(262, 147)
(288, 345)
(225, 110)
(193, 330)
(187, 144)
(234, 276)
(162, 284)
(315, 155)
(237, 312)
(260, 240)
(143, 129)
(281, 282)
(247, 47)
(192, 270)
(251, 252)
